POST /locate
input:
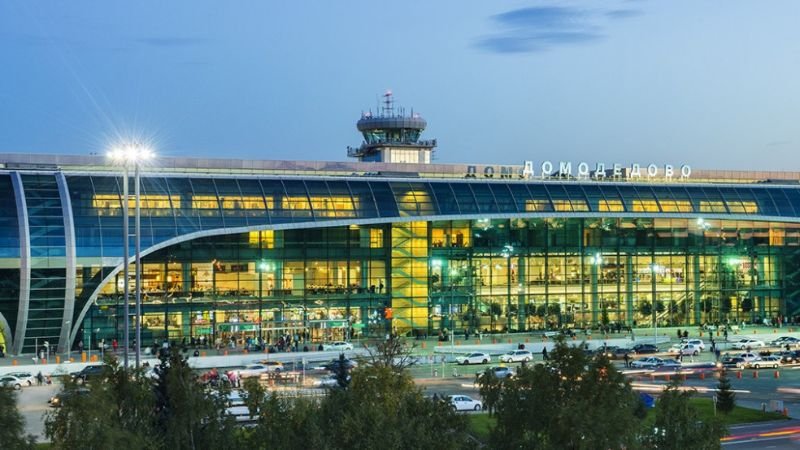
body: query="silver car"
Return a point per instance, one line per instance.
(516, 356)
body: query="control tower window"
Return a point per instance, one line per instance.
(405, 156)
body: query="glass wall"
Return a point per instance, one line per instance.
(487, 274)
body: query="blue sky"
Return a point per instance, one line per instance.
(713, 84)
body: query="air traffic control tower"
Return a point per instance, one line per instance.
(391, 136)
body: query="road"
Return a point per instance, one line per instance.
(768, 435)
(448, 378)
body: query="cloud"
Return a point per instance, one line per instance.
(171, 41)
(536, 29)
(623, 13)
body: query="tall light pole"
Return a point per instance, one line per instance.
(132, 155)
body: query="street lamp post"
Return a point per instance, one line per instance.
(653, 268)
(132, 154)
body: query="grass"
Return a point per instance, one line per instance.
(480, 424)
(735, 417)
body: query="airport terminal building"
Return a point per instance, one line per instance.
(392, 242)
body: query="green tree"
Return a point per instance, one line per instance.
(591, 405)
(285, 423)
(726, 398)
(114, 413)
(678, 426)
(190, 415)
(384, 409)
(12, 426)
(645, 309)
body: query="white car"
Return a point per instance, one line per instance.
(696, 342)
(12, 382)
(767, 361)
(464, 403)
(255, 370)
(516, 356)
(27, 377)
(338, 345)
(474, 358)
(684, 349)
(743, 344)
(647, 363)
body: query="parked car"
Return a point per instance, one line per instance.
(643, 349)
(620, 352)
(464, 403)
(732, 362)
(783, 341)
(338, 345)
(670, 364)
(516, 356)
(749, 357)
(474, 358)
(790, 357)
(744, 344)
(12, 382)
(87, 374)
(684, 349)
(650, 362)
(27, 377)
(767, 361)
(696, 342)
(500, 371)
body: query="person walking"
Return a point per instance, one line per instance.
(544, 354)
(627, 360)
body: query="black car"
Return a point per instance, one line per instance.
(790, 357)
(733, 362)
(644, 349)
(620, 352)
(58, 400)
(335, 364)
(88, 373)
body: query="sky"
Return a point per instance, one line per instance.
(713, 84)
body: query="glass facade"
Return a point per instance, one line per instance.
(234, 255)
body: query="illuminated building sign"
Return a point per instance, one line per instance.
(583, 171)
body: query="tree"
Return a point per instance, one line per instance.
(384, 409)
(592, 404)
(394, 353)
(188, 414)
(646, 309)
(747, 304)
(678, 426)
(726, 398)
(12, 425)
(116, 412)
(285, 423)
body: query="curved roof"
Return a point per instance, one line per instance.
(177, 205)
